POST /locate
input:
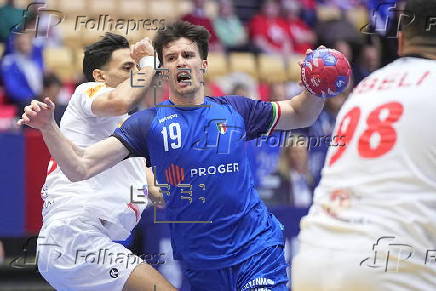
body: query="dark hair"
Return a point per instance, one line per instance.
(51, 79)
(98, 54)
(422, 29)
(195, 33)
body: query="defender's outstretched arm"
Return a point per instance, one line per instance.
(76, 163)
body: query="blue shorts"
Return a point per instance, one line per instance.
(263, 271)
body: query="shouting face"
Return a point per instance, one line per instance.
(185, 67)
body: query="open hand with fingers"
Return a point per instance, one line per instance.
(301, 63)
(38, 114)
(141, 49)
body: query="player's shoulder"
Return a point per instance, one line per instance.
(233, 100)
(142, 117)
(89, 89)
(8, 60)
(409, 64)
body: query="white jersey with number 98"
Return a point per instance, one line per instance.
(382, 180)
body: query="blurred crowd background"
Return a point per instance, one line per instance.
(255, 47)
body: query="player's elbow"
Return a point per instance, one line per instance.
(77, 177)
(120, 107)
(111, 105)
(80, 173)
(74, 178)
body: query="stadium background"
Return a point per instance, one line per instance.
(254, 51)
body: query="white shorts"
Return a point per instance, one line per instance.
(76, 254)
(323, 269)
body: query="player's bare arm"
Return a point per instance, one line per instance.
(146, 278)
(301, 111)
(154, 192)
(125, 96)
(76, 163)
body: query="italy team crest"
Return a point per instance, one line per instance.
(222, 127)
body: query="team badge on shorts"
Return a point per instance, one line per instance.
(114, 273)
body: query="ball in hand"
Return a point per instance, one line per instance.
(325, 72)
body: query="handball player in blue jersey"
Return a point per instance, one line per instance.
(220, 229)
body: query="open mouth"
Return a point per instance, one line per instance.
(184, 77)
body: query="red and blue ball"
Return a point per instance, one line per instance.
(325, 72)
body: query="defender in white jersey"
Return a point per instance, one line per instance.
(373, 222)
(81, 219)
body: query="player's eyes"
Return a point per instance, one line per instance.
(128, 67)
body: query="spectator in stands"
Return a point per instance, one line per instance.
(320, 134)
(52, 86)
(239, 83)
(331, 31)
(26, 23)
(240, 89)
(301, 179)
(198, 17)
(345, 4)
(9, 17)
(264, 152)
(22, 71)
(369, 61)
(308, 12)
(301, 35)
(290, 183)
(229, 28)
(268, 31)
(345, 48)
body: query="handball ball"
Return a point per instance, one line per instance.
(325, 72)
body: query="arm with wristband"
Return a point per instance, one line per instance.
(124, 97)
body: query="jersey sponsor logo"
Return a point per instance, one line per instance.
(168, 118)
(174, 174)
(213, 170)
(93, 90)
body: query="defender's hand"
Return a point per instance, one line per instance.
(38, 114)
(141, 49)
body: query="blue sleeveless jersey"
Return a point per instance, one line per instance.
(215, 215)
